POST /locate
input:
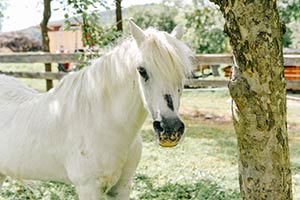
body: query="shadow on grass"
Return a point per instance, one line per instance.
(202, 190)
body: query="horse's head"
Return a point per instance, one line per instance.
(163, 63)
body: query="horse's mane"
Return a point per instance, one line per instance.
(102, 76)
(165, 56)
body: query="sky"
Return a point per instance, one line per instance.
(22, 14)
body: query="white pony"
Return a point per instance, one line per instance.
(85, 130)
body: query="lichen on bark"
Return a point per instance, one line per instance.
(257, 87)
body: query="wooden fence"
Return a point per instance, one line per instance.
(200, 59)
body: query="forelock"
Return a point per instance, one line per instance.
(166, 56)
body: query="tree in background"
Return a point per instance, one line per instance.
(16, 41)
(290, 13)
(89, 26)
(93, 32)
(3, 5)
(45, 38)
(257, 87)
(204, 24)
(119, 15)
(158, 16)
(203, 21)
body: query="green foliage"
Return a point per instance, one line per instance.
(37, 190)
(156, 15)
(203, 189)
(289, 10)
(203, 21)
(290, 13)
(3, 5)
(93, 33)
(204, 25)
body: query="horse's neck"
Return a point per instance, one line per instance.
(120, 95)
(103, 92)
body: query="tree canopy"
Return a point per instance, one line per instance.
(93, 32)
(290, 14)
(3, 5)
(203, 21)
(204, 24)
(159, 16)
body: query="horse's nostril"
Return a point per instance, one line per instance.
(157, 126)
(181, 128)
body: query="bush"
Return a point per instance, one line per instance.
(19, 42)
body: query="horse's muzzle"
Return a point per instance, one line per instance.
(169, 131)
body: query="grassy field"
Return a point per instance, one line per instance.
(203, 166)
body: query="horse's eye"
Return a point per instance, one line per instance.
(142, 71)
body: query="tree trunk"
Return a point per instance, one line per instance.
(257, 87)
(119, 15)
(45, 38)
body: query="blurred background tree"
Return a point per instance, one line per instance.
(202, 20)
(45, 38)
(158, 16)
(3, 5)
(290, 14)
(119, 15)
(204, 24)
(88, 11)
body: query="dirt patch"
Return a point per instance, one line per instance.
(209, 116)
(293, 127)
(204, 116)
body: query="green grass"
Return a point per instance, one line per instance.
(203, 166)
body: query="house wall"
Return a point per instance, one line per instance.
(69, 40)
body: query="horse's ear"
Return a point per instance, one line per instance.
(178, 31)
(137, 33)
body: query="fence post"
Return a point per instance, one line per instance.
(49, 82)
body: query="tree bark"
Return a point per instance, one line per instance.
(119, 15)
(45, 38)
(257, 87)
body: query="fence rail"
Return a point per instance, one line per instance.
(291, 85)
(203, 59)
(227, 59)
(36, 75)
(42, 58)
(200, 59)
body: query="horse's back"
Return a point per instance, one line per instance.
(14, 91)
(16, 100)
